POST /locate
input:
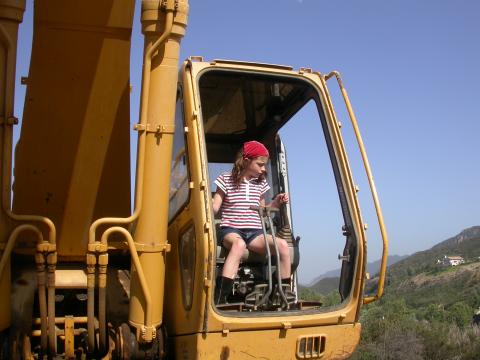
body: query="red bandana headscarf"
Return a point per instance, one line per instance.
(254, 149)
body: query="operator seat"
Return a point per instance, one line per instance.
(248, 256)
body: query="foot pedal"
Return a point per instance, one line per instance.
(256, 297)
(276, 298)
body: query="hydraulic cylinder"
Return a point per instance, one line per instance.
(163, 24)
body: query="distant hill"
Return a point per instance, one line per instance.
(325, 285)
(372, 268)
(421, 281)
(466, 244)
(466, 241)
(419, 278)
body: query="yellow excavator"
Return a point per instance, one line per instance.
(82, 275)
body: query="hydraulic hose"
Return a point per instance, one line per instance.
(91, 262)
(42, 300)
(52, 336)
(102, 301)
(102, 319)
(138, 268)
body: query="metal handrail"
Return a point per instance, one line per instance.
(378, 209)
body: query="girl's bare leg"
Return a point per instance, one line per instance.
(236, 246)
(258, 245)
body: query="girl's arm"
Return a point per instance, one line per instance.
(262, 201)
(218, 200)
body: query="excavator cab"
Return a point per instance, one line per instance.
(220, 105)
(240, 106)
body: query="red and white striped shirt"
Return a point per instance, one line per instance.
(236, 204)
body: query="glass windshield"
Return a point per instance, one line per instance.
(285, 115)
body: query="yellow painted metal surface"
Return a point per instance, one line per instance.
(178, 319)
(339, 342)
(73, 158)
(378, 209)
(163, 32)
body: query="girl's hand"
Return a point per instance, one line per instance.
(281, 198)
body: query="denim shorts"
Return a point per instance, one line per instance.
(246, 234)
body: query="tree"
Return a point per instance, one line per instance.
(460, 313)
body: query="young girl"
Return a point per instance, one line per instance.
(241, 227)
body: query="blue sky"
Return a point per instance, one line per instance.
(412, 71)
